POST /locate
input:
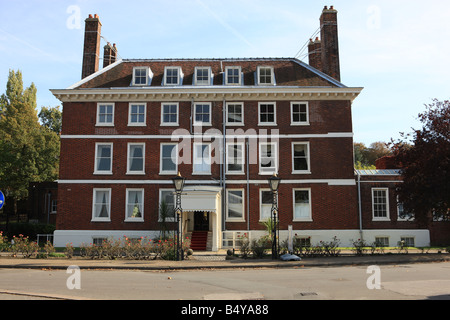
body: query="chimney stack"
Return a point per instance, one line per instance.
(91, 51)
(109, 54)
(330, 44)
(315, 53)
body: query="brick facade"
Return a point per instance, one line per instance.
(320, 201)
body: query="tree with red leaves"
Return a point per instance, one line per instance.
(425, 190)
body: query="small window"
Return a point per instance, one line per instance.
(105, 114)
(235, 205)
(380, 204)
(136, 155)
(403, 215)
(202, 158)
(235, 158)
(408, 241)
(202, 76)
(136, 114)
(169, 114)
(265, 76)
(382, 241)
(233, 76)
(299, 113)
(268, 158)
(172, 76)
(135, 205)
(265, 201)
(300, 157)
(166, 205)
(54, 206)
(235, 113)
(169, 162)
(141, 76)
(103, 158)
(302, 205)
(267, 113)
(101, 205)
(202, 114)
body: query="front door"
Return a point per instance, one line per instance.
(201, 221)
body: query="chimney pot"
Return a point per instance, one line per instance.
(90, 16)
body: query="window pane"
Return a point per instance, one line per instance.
(235, 204)
(300, 157)
(103, 158)
(202, 161)
(134, 205)
(169, 158)
(168, 198)
(302, 205)
(101, 204)
(136, 158)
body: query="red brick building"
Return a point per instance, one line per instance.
(226, 125)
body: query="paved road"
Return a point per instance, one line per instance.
(398, 282)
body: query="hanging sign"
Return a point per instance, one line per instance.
(2, 200)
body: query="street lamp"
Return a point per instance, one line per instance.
(178, 182)
(274, 183)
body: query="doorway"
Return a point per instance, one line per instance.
(201, 221)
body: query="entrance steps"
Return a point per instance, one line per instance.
(200, 240)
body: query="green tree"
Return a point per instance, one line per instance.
(28, 151)
(426, 165)
(51, 118)
(365, 157)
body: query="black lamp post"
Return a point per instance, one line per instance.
(178, 182)
(274, 183)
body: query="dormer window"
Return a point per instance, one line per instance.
(202, 76)
(172, 76)
(266, 76)
(233, 76)
(142, 76)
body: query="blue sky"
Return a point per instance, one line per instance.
(397, 50)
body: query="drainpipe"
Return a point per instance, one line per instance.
(359, 205)
(248, 184)
(224, 153)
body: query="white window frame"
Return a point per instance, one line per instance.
(161, 171)
(195, 157)
(54, 206)
(299, 123)
(129, 218)
(137, 124)
(308, 171)
(274, 123)
(203, 82)
(266, 171)
(170, 219)
(140, 172)
(387, 218)
(231, 219)
(94, 201)
(168, 124)
(239, 76)
(105, 124)
(179, 78)
(228, 104)
(200, 123)
(106, 172)
(261, 204)
(242, 162)
(272, 76)
(148, 76)
(304, 219)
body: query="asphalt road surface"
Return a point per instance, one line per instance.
(399, 282)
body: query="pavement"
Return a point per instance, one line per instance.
(217, 260)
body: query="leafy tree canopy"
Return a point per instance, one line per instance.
(426, 164)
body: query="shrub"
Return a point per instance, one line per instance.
(69, 251)
(22, 244)
(260, 246)
(359, 247)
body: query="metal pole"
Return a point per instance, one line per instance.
(178, 214)
(274, 226)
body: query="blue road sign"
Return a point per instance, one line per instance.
(2, 200)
